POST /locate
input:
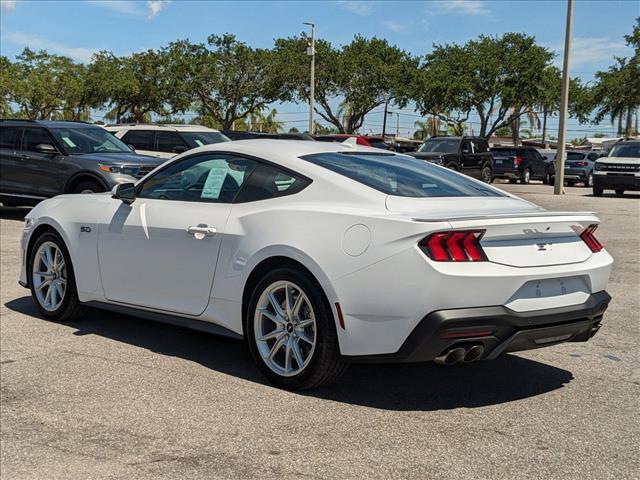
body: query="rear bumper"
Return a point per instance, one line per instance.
(499, 329)
(616, 180)
(576, 174)
(500, 172)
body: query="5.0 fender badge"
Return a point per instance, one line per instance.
(84, 229)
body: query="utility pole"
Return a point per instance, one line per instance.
(558, 188)
(311, 50)
(384, 120)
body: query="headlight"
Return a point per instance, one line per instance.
(599, 166)
(123, 169)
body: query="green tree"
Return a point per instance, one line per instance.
(133, 87)
(43, 86)
(498, 78)
(226, 78)
(350, 81)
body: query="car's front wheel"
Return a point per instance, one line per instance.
(291, 331)
(51, 279)
(88, 186)
(597, 191)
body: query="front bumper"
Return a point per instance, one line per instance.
(616, 181)
(499, 330)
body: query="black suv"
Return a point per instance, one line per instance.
(518, 163)
(41, 159)
(469, 155)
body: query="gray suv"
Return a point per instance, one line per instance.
(41, 159)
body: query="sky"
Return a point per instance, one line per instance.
(80, 28)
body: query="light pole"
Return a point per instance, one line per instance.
(558, 188)
(311, 50)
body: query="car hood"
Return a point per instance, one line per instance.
(122, 158)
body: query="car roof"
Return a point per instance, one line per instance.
(164, 127)
(49, 123)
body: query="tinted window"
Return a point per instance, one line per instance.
(504, 152)
(10, 137)
(80, 140)
(626, 150)
(401, 175)
(467, 147)
(33, 137)
(440, 145)
(479, 146)
(168, 141)
(198, 139)
(140, 139)
(269, 181)
(211, 177)
(575, 156)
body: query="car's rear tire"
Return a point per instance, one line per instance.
(619, 192)
(88, 186)
(526, 177)
(51, 279)
(597, 191)
(589, 182)
(295, 347)
(570, 183)
(513, 180)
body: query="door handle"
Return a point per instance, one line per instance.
(201, 231)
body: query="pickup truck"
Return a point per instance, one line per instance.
(468, 155)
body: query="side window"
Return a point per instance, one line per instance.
(33, 137)
(10, 137)
(140, 139)
(212, 177)
(479, 146)
(268, 181)
(168, 141)
(467, 147)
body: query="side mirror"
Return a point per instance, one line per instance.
(180, 149)
(125, 192)
(133, 149)
(46, 148)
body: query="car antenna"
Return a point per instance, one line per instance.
(350, 142)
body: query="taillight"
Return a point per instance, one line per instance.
(362, 141)
(454, 246)
(517, 161)
(589, 238)
(581, 164)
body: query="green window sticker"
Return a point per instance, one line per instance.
(215, 180)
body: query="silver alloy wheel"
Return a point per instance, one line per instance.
(590, 180)
(87, 190)
(285, 328)
(49, 276)
(527, 176)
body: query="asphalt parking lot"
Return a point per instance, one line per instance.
(112, 396)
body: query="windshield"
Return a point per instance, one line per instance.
(626, 150)
(198, 139)
(440, 145)
(81, 140)
(504, 152)
(401, 175)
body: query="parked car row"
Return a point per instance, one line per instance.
(41, 159)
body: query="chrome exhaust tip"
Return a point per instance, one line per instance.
(449, 357)
(474, 353)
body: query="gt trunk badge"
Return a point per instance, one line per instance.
(543, 247)
(85, 229)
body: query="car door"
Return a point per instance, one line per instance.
(467, 157)
(170, 143)
(161, 251)
(144, 142)
(10, 138)
(538, 163)
(40, 173)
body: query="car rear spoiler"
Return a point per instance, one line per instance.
(543, 215)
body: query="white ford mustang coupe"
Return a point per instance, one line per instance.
(320, 255)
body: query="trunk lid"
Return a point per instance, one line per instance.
(517, 233)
